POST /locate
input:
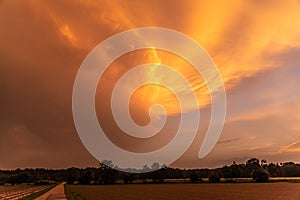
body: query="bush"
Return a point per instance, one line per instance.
(194, 177)
(128, 178)
(260, 175)
(19, 178)
(214, 178)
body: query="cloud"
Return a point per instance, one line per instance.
(227, 141)
(255, 45)
(293, 147)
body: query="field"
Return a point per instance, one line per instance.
(18, 192)
(243, 191)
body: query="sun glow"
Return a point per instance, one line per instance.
(156, 94)
(152, 74)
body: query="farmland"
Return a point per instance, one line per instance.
(19, 191)
(228, 191)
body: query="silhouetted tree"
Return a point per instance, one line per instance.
(260, 175)
(106, 174)
(19, 178)
(290, 169)
(86, 176)
(158, 175)
(72, 175)
(194, 177)
(214, 178)
(251, 165)
(274, 170)
(128, 178)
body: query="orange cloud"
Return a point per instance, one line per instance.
(65, 31)
(293, 147)
(238, 35)
(44, 42)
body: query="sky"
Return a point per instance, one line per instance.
(254, 44)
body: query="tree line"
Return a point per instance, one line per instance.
(254, 168)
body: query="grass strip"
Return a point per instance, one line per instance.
(39, 193)
(72, 194)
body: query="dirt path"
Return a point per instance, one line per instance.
(55, 193)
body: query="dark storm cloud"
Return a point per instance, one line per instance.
(37, 70)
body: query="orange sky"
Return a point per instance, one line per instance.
(255, 44)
